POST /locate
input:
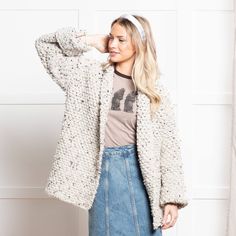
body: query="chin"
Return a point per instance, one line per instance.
(114, 60)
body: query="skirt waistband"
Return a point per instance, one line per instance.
(116, 150)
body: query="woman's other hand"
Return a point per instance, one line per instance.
(172, 210)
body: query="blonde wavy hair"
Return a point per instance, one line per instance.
(145, 70)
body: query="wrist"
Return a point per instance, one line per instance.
(89, 39)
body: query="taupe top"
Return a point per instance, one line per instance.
(121, 120)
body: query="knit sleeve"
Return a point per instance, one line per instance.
(173, 188)
(58, 51)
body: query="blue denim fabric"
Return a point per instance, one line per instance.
(121, 205)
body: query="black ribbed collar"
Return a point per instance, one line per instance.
(122, 75)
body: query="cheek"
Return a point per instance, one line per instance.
(127, 50)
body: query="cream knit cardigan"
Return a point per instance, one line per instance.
(76, 167)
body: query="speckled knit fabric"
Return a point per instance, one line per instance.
(76, 167)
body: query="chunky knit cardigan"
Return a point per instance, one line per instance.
(76, 167)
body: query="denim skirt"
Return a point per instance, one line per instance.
(121, 205)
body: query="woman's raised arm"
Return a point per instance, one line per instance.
(60, 49)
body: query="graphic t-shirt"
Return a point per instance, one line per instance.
(121, 120)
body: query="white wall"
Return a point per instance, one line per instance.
(195, 49)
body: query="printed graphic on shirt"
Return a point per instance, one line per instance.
(129, 101)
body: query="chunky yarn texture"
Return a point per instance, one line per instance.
(76, 168)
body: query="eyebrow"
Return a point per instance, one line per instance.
(119, 36)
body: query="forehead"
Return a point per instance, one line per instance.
(118, 31)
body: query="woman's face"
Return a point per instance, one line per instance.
(120, 46)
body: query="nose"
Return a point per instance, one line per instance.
(112, 43)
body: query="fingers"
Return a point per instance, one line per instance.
(165, 217)
(170, 223)
(173, 212)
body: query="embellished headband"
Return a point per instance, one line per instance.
(136, 23)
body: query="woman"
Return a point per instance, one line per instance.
(118, 154)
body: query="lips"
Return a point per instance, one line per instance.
(112, 53)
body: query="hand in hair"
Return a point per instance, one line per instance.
(99, 41)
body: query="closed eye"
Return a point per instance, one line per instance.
(111, 37)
